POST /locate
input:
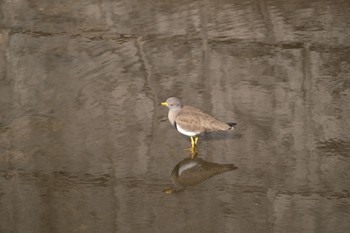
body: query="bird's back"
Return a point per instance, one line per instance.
(194, 119)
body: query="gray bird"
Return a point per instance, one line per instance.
(191, 121)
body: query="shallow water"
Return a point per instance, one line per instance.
(86, 147)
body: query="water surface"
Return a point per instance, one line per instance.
(86, 147)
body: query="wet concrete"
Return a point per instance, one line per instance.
(86, 147)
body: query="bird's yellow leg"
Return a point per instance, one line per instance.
(193, 148)
(192, 144)
(196, 140)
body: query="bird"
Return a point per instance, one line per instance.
(191, 121)
(191, 172)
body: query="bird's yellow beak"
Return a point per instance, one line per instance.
(164, 104)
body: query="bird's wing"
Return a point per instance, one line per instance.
(195, 120)
(188, 119)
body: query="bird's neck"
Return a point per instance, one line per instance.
(172, 115)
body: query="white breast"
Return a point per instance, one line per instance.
(187, 133)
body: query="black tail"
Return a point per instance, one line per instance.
(232, 125)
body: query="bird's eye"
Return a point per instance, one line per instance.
(171, 104)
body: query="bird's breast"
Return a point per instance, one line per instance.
(185, 132)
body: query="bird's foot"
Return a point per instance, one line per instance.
(193, 150)
(194, 154)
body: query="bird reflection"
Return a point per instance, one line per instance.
(191, 172)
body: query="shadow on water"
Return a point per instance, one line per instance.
(191, 172)
(217, 135)
(220, 135)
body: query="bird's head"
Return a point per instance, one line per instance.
(172, 103)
